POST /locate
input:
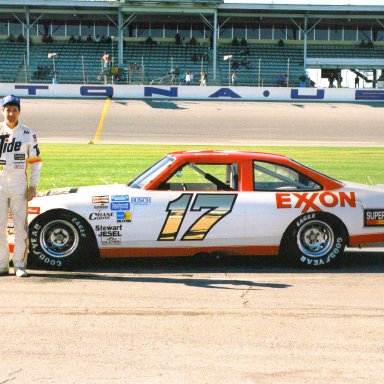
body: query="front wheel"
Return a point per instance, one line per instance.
(60, 240)
(314, 240)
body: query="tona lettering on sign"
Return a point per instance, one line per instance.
(315, 201)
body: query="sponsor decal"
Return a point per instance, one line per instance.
(140, 200)
(124, 206)
(33, 210)
(315, 201)
(374, 217)
(19, 156)
(120, 198)
(100, 199)
(6, 146)
(100, 202)
(10, 226)
(123, 217)
(111, 241)
(109, 230)
(19, 165)
(100, 216)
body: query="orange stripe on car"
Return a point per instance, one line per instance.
(187, 251)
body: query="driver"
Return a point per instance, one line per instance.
(18, 149)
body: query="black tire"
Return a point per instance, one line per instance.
(60, 240)
(314, 240)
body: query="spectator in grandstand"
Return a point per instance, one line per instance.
(235, 42)
(187, 78)
(233, 79)
(105, 61)
(103, 39)
(203, 79)
(177, 39)
(331, 80)
(194, 58)
(339, 79)
(243, 42)
(21, 39)
(281, 80)
(245, 63)
(369, 44)
(72, 39)
(362, 44)
(192, 41)
(357, 81)
(79, 39)
(11, 38)
(150, 41)
(89, 39)
(280, 43)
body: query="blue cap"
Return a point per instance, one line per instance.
(10, 99)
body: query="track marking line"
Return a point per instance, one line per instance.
(101, 121)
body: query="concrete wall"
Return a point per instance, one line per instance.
(193, 92)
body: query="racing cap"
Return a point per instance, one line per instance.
(10, 99)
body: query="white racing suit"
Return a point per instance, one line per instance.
(18, 149)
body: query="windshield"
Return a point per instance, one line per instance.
(148, 175)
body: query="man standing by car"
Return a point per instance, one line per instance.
(18, 149)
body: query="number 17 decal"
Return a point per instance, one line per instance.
(218, 206)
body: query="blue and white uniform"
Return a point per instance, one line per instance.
(18, 150)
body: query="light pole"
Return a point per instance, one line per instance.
(51, 55)
(228, 58)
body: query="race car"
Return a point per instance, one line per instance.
(204, 202)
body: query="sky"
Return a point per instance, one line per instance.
(316, 2)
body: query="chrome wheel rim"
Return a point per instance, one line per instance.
(315, 239)
(59, 238)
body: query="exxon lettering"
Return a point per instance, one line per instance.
(315, 201)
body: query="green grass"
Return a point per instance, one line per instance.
(85, 164)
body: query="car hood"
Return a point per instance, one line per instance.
(87, 190)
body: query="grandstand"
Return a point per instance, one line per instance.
(157, 42)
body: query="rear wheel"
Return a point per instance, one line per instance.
(60, 240)
(314, 240)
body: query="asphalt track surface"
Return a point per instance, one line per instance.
(212, 122)
(199, 321)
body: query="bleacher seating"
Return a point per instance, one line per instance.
(160, 59)
(80, 62)
(12, 60)
(344, 51)
(274, 60)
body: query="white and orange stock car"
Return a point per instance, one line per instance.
(194, 202)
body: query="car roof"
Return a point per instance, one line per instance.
(233, 155)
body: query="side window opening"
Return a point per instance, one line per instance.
(203, 177)
(276, 177)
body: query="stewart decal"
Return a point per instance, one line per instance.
(316, 201)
